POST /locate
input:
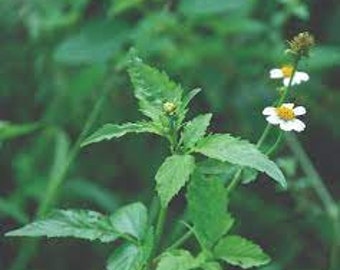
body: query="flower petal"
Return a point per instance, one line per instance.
(299, 110)
(286, 81)
(273, 119)
(287, 125)
(275, 73)
(288, 105)
(302, 76)
(269, 111)
(298, 125)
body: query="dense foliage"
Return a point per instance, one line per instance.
(69, 80)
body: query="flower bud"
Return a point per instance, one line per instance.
(169, 108)
(301, 44)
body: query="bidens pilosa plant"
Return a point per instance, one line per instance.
(197, 163)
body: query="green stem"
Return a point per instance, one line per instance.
(264, 135)
(237, 177)
(181, 240)
(276, 145)
(324, 195)
(55, 183)
(159, 227)
(235, 181)
(27, 251)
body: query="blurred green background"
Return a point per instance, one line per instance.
(58, 56)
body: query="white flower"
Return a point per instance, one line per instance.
(285, 116)
(286, 72)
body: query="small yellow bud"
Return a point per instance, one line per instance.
(301, 44)
(169, 108)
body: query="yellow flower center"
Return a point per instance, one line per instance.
(285, 113)
(287, 71)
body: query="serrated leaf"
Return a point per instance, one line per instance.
(83, 224)
(126, 257)
(177, 260)
(109, 131)
(195, 129)
(131, 219)
(224, 147)
(207, 209)
(173, 175)
(241, 252)
(152, 88)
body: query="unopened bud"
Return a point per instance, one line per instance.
(169, 108)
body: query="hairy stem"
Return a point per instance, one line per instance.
(324, 195)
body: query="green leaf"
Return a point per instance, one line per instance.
(10, 131)
(177, 260)
(248, 175)
(119, 6)
(207, 7)
(211, 266)
(224, 147)
(173, 175)
(226, 170)
(97, 42)
(207, 209)
(130, 256)
(131, 219)
(195, 129)
(241, 252)
(152, 88)
(188, 97)
(82, 224)
(126, 257)
(109, 131)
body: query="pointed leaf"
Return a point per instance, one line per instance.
(207, 203)
(188, 97)
(82, 224)
(241, 252)
(109, 131)
(195, 129)
(224, 147)
(173, 175)
(152, 88)
(130, 219)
